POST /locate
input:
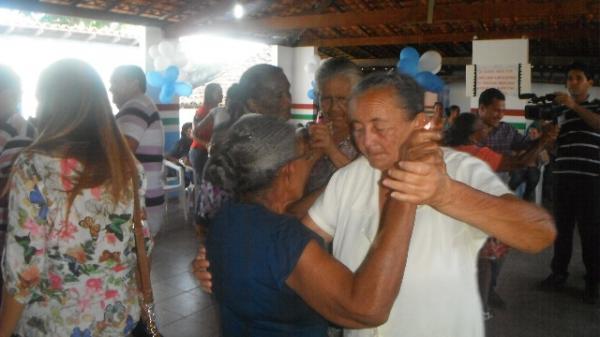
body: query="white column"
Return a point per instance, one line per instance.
(293, 61)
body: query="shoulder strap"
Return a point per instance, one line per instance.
(142, 257)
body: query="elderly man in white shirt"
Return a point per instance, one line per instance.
(438, 296)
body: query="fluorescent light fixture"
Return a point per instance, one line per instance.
(238, 11)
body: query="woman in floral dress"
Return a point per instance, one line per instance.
(69, 264)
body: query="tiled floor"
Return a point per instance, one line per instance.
(185, 311)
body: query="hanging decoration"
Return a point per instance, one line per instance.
(167, 82)
(423, 68)
(168, 60)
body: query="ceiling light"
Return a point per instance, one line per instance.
(238, 11)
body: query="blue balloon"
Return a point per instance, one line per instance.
(408, 66)
(154, 79)
(183, 89)
(171, 74)
(429, 81)
(168, 88)
(166, 93)
(311, 94)
(409, 53)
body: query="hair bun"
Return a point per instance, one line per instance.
(220, 169)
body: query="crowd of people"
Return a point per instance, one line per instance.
(348, 225)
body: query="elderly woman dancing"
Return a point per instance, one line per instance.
(272, 277)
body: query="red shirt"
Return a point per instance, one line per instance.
(484, 153)
(206, 131)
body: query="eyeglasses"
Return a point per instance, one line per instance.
(328, 101)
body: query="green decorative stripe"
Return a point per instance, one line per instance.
(304, 117)
(519, 126)
(170, 121)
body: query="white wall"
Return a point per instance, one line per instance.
(458, 96)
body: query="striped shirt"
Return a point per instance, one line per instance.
(139, 120)
(15, 135)
(578, 144)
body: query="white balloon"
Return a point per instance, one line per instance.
(153, 51)
(430, 61)
(166, 48)
(310, 67)
(161, 63)
(180, 60)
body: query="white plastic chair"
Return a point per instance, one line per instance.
(176, 184)
(191, 190)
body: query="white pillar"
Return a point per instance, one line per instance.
(293, 61)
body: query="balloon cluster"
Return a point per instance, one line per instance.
(167, 82)
(166, 54)
(168, 57)
(422, 68)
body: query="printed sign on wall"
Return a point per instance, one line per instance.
(511, 79)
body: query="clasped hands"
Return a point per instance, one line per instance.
(419, 177)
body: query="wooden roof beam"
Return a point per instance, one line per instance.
(444, 38)
(399, 16)
(42, 7)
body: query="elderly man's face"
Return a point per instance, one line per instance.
(380, 126)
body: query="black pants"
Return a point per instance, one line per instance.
(577, 201)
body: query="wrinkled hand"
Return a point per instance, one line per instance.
(420, 177)
(200, 268)
(565, 99)
(321, 138)
(420, 144)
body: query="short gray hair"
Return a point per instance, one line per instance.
(408, 92)
(251, 154)
(337, 66)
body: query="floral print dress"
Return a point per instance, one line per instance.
(75, 275)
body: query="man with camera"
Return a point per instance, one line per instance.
(505, 139)
(577, 183)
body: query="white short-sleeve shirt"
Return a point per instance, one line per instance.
(439, 295)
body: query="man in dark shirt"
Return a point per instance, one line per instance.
(577, 183)
(504, 139)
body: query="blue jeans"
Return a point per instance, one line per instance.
(198, 158)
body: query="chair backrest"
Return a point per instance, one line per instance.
(180, 184)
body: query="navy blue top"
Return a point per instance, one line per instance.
(252, 251)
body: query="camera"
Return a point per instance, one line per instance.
(542, 107)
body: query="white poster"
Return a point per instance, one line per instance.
(511, 79)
